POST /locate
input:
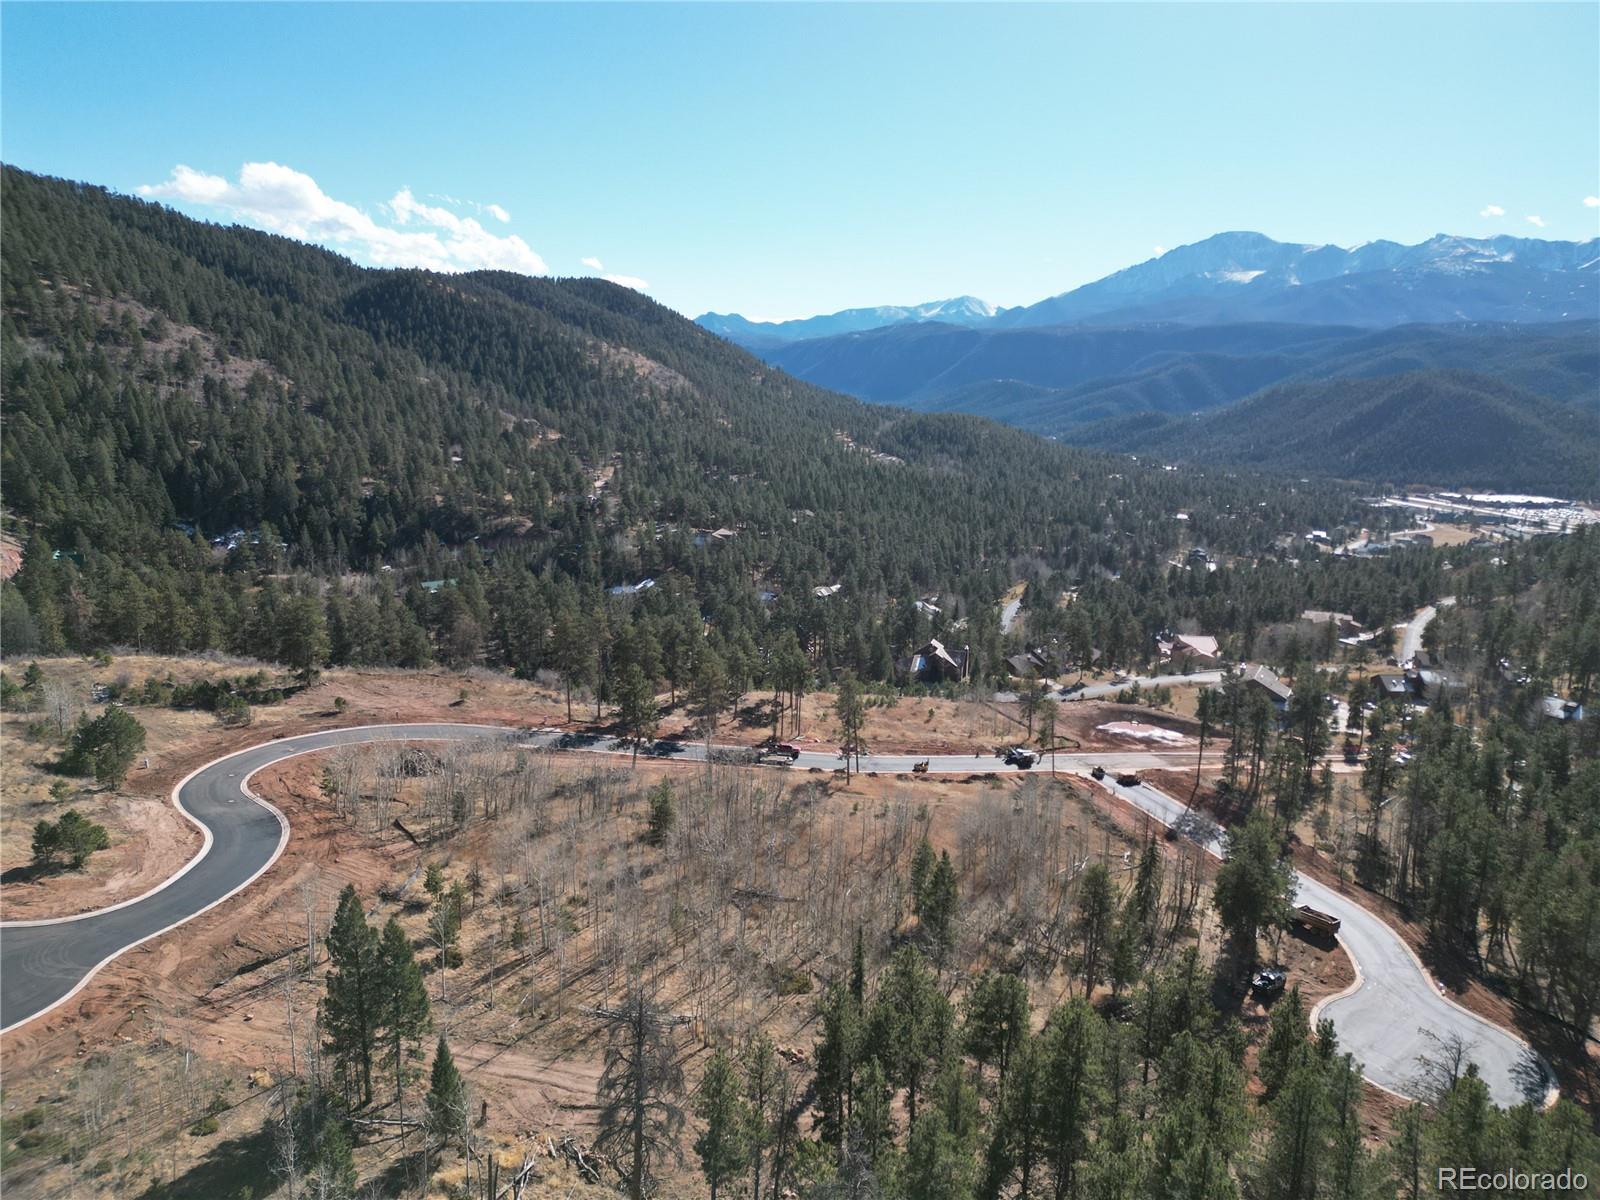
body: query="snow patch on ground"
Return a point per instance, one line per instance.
(1142, 733)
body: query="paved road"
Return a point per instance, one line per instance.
(1008, 614)
(1387, 1020)
(43, 963)
(1411, 640)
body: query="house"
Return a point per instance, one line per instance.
(1195, 649)
(1429, 685)
(831, 589)
(927, 607)
(434, 586)
(1038, 660)
(933, 663)
(1392, 686)
(1558, 708)
(1198, 557)
(1278, 692)
(1346, 625)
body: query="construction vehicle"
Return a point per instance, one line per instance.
(1020, 757)
(1316, 921)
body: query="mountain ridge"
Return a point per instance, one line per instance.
(1243, 275)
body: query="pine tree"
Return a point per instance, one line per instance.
(837, 1050)
(663, 814)
(1095, 915)
(447, 1099)
(406, 1015)
(720, 1104)
(995, 1020)
(352, 1010)
(922, 862)
(1286, 1043)
(636, 708)
(939, 908)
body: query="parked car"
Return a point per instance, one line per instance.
(1268, 981)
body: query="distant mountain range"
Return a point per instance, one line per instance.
(1132, 360)
(1235, 277)
(963, 310)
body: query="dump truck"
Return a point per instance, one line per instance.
(1316, 921)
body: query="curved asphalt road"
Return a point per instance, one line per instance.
(42, 963)
(1393, 1014)
(1382, 1020)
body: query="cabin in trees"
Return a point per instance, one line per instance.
(1393, 687)
(935, 663)
(1037, 661)
(1192, 649)
(1344, 623)
(1559, 708)
(1264, 679)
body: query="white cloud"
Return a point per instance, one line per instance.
(1492, 210)
(594, 264)
(627, 281)
(1158, 251)
(1538, 221)
(282, 200)
(498, 213)
(1591, 201)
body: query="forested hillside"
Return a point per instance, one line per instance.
(1057, 381)
(1445, 427)
(210, 431)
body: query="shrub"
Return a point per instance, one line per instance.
(204, 1127)
(71, 840)
(104, 747)
(233, 712)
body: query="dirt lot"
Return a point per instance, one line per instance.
(231, 986)
(150, 839)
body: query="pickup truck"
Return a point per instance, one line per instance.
(1317, 922)
(1269, 981)
(781, 750)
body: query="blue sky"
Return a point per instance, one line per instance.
(782, 161)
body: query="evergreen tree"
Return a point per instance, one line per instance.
(352, 1009)
(720, 1104)
(447, 1100)
(406, 1014)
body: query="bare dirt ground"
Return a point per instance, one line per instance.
(231, 985)
(10, 556)
(231, 988)
(149, 837)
